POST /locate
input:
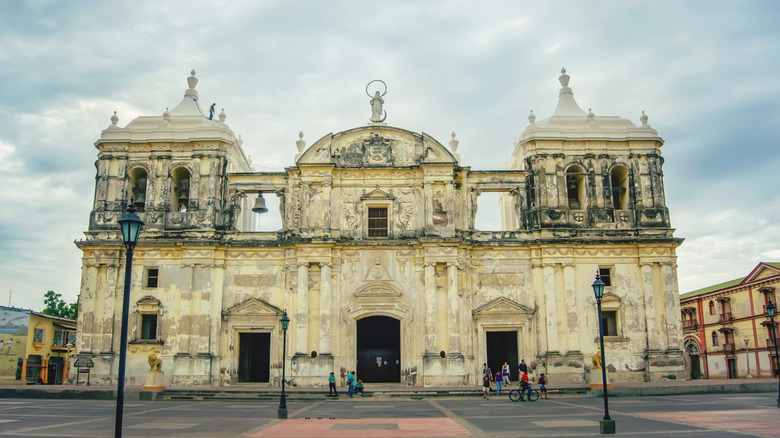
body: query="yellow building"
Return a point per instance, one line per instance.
(726, 329)
(35, 345)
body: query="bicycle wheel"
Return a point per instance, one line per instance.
(514, 395)
(533, 395)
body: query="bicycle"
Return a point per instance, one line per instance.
(517, 394)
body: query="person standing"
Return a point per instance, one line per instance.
(499, 381)
(505, 373)
(523, 368)
(332, 385)
(351, 383)
(543, 385)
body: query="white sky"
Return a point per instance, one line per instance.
(705, 72)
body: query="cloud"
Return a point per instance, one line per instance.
(702, 74)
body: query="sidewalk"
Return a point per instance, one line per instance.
(383, 390)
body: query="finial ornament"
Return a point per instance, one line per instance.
(532, 117)
(591, 116)
(114, 119)
(454, 143)
(192, 81)
(643, 119)
(378, 114)
(564, 78)
(166, 115)
(300, 144)
(222, 116)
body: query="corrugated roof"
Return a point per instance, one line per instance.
(712, 288)
(724, 285)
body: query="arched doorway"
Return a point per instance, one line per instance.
(692, 356)
(379, 349)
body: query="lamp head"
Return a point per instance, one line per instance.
(771, 308)
(131, 226)
(285, 321)
(598, 287)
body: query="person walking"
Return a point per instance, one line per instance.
(543, 385)
(486, 386)
(505, 373)
(351, 383)
(486, 370)
(499, 381)
(332, 385)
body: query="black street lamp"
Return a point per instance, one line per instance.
(131, 228)
(282, 412)
(607, 425)
(771, 308)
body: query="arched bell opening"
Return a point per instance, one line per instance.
(138, 179)
(180, 179)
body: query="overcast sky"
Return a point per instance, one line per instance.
(705, 72)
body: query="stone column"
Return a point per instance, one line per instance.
(302, 311)
(430, 308)
(540, 317)
(326, 332)
(646, 280)
(551, 307)
(454, 311)
(572, 307)
(671, 296)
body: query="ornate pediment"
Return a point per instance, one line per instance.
(253, 307)
(501, 306)
(378, 290)
(377, 194)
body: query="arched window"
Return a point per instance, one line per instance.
(138, 187)
(180, 178)
(714, 339)
(619, 185)
(575, 187)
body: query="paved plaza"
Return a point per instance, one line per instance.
(721, 415)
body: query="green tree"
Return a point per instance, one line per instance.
(56, 306)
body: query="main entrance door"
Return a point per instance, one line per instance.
(502, 347)
(379, 349)
(254, 357)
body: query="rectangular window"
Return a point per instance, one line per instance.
(605, 275)
(38, 336)
(148, 326)
(152, 275)
(609, 321)
(59, 339)
(377, 222)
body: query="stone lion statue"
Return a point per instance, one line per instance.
(596, 359)
(154, 363)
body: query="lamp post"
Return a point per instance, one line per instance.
(282, 412)
(747, 356)
(607, 424)
(771, 308)
(131, 226)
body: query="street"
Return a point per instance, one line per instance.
(720, 415)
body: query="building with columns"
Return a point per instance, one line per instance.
(378, 262)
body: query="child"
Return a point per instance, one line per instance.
(359, 387)
(543, 385)
(486, 386)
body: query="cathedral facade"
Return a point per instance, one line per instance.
(378, 262)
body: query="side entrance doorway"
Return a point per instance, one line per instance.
(379, 349)
(254, 357)
(502, 347)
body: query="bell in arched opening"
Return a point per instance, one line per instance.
(260, 204)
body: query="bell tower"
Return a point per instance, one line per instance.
(173, 167)
(589, 172)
